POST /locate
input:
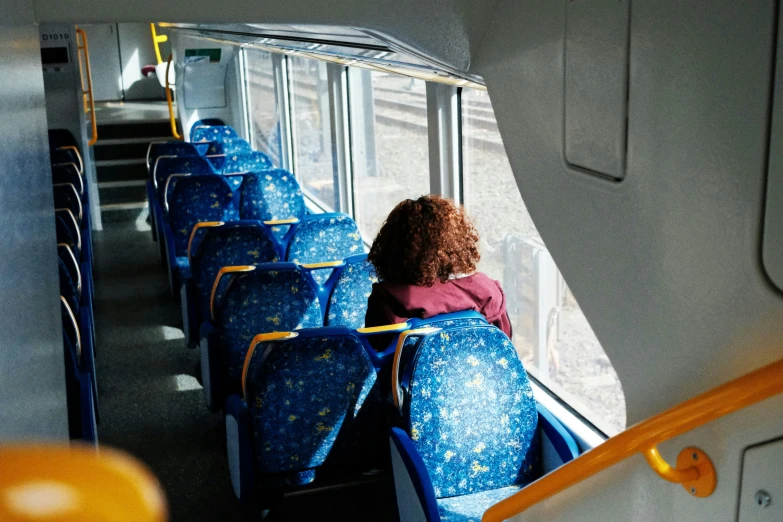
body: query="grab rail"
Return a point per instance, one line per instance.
(84, 47)
(172, 120)
(693, 471)
(156, 41)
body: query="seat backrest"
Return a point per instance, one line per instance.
(212, 133)
(67, 173)
(165, 166)
(324, 237)
(215, 245)
(470, 411)
(61, 138)
(206, 122)
(69, 287)
(267, 298)
(67, 196)
(175, 148)
(348, 300)
(270, 196)
(194, 199)
(313, 400)
(68, 230)
(253, 161)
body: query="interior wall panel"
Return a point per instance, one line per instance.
(666, 264)
(32, 375)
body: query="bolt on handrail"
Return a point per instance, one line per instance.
(693, 465)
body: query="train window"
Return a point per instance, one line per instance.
(264, 113)
(389, 144)
(551, 334)
(309, 92)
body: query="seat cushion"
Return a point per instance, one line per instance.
(470, 508)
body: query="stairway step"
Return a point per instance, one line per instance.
(124, 212)
(133, 130)
(113, 193)
(135, 148)
(121, 170)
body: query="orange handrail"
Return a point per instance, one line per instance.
(172, 120)
(85, 47)
(644, 437)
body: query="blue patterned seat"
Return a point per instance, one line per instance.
(324, 237)
(310, 407)
(79, 385)
(470, 422)
(255, 299)
(270, 196)
(194, 199)
(348, 299)
(253, 161)
(63, 173)
(165, 166)
(212, 133)
(157, 149)
(213, 246)
(67, 196)
(205, 122)
(68, 230)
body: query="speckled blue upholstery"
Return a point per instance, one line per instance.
(274, 194)
(311, 400)
(253, 161)
(66, 196)
(195, 199)
(348, 302)
(166, 166)
(470, 412)
(264, 300)
(66, 231)
(212, 133)
(67, 173)
(470, 508)
(206, 122)
(233, 244)
(324, 237)
(68, 287)
(175, 148)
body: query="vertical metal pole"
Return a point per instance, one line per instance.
(283, 104)
(443, 129)
(337, 77)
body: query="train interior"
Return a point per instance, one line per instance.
(189, 193)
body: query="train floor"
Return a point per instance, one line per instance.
(151, 402)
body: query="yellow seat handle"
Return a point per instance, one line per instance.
(85, 48)
(258, 339)
(196, 227)
(223, 271)
(396, 392)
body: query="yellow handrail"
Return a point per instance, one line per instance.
(172, 121)
(644, 437)
(156, 40)
(84, 47)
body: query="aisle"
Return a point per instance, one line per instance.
(151, 404)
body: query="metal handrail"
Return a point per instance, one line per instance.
(85, 47)
(694, 470)
(172, 120)
(157, 39)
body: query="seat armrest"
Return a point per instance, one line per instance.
(239, 444)
(415, 495)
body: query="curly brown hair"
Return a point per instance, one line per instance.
(425, 241)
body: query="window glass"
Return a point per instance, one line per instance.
(309, 92)
(389, 144)
(264, 114)
(551, 334)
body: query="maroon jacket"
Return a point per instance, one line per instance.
(392, 303)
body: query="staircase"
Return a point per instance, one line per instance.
(121, 165)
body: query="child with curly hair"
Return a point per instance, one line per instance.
(425, 256)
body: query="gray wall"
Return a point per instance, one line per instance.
(32, 380)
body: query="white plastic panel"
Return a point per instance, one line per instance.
(761, 496)
(596, 85)
(205, 85)
(772, 247)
